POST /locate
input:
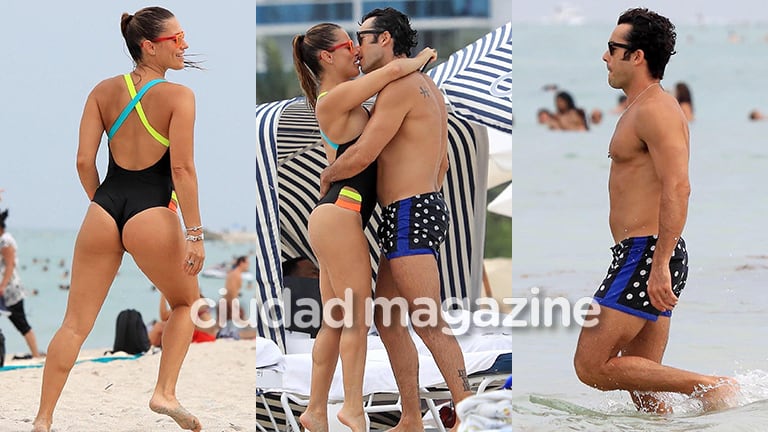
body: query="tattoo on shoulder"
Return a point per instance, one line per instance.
(424, 92)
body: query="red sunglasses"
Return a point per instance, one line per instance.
(178, 37)
(348, 44)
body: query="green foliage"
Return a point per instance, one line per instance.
(275, 83)
(498, 230)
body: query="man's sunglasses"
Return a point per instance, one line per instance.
(348, 44)
(362, 33)
(613, 45)
(177, 38)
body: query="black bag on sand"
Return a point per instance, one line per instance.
(130, 333)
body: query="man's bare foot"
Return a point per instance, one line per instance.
(650, 402)
(314, 421)
(723, 394)
(174, 410)
(356, 420)
(415, 426)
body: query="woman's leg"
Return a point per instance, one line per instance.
(19, 319)
(342, 249)
(156, 242)
(97, 257)
(325, 355)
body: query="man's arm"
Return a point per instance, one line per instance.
(665, 133)
(390, 110)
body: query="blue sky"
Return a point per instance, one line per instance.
(55, 52)
(679, 11)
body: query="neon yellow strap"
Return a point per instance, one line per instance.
(321, 95)
(351, 194)
(139, 110)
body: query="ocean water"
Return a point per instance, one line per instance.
(45, 258)
(561, 238)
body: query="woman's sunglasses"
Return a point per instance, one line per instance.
(178, 38)
(348, 44)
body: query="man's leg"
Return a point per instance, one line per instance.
(650, 343)
(400, 349)
(598, 364)
(417, 278)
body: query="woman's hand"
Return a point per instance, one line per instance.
(194, 257)
(428, 55)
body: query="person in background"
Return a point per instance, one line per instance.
(201, 333)
(300, 267)
(567, 116)
(683, 96)
(11, 291)
(756, 115)
(233, 284)
(621, 104)
(596, 116)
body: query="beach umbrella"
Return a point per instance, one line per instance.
(502, 205)
(477, 80)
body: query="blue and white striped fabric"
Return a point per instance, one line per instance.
(267, 269)
(478, 80)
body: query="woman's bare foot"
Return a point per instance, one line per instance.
(356, 420)
(314, 421)
(41, 426)
(723, 394)
(179, 414)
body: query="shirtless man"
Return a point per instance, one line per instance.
(408, 136)
(233, 284)
(648, 189)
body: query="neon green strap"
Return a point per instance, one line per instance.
(351, 194)
(139, 110)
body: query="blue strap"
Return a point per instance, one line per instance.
(330, 143)
(128, 108)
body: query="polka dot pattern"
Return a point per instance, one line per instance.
(626, 285)
(414, 225)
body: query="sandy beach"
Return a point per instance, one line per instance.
(217, 384)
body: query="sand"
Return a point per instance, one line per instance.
(217, 384)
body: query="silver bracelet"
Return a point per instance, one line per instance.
(197, 228)
(194, 238)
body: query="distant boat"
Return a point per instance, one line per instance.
(566, 13)
(232, 237)
(220, 273)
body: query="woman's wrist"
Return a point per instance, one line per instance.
(194, 238)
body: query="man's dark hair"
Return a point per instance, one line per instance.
(3, 217)
(399, 27)
(652, 33)
(239, 260)
(567, 98)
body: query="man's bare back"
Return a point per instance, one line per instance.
(634, 184)
(415, 160)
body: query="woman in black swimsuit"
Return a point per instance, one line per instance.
(134, 208)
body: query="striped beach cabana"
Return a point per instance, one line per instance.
(290, 159)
